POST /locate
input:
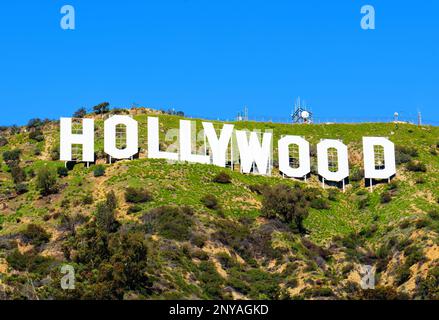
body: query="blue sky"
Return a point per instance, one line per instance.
(210, 58)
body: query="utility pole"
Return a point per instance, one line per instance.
(419, 118)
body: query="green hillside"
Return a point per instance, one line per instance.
(149, 229)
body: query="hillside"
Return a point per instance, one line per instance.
(149, 229)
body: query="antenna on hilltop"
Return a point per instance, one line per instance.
(301, 114)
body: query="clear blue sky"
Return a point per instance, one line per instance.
(211, 58)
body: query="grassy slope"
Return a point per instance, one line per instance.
(185, 184)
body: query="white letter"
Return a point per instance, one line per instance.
(186, 145)
(370, 170)
(368, 21)
(132, 138)
(284, 157)
(253, 152)
(68, 21)
(218, 146)
(153, 142)
(86, 139)
(342, 160)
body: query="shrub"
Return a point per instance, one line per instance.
(332, 194)
(133, 195)
(134, 209)
(46, 181)
(17, 173)
(210, 201)
(320, 204)
(29, 261)
(99, 171)
(416, 166)
(54, 153)
(36, 135)
(12, 155)
(87, 199)
(420, 180)
(171, 222)
(222, 177)
(3, 141)
(385, 197)
(21, 188)
(433, 151)
(35, 123)
(106, 218)
(62, 172)
(402, 275)
(289, 205)
(101, 108)
(35, 235)
(80, 113)
(434, 215)
(405, 154)
(259, 188)
(363, 203)
(428, 288)
(111, 200)
(357, 174)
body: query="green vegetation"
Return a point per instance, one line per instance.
(148, 229)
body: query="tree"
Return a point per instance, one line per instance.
(11, 156)
(47, 181)
(35, 123)
(287, 204)
(80, 113)
(101, 108)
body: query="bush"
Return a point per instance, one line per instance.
(62, 172)
(134, 209)
(35, 123)
(106, 218)
(17, 173)
(12, 155)
(289, 205)
(35, 235)
(21, 188)
(171, 222)
(29, 261)
(434, 215)
(385, 197)
(259, 188)
(416, 166)
(357, 174)
(402, 275)
(80, 113)
(133, 195)
(87, 199)
(210, 201)
(54, 153)
(320, 204)
(99, 171)
(3, 141)
(37, 135)
(420, 180)
(222, 177)
(405, 154)
(46, 181)
(332, 194)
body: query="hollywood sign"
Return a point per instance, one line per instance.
(255, 149)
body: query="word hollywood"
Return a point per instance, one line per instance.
(254, 155)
